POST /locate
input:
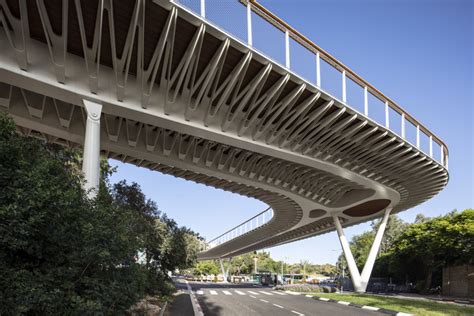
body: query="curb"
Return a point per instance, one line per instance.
(163, 309)
(465, 301)
(371, 308)
(196, 306)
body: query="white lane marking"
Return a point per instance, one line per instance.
(264, 301)
(226, 292)
(279, 306)
(213, 292)
(252, 296)
(292, 293)
(370, 308)
(297, 313)
(239, 292)
(307, 295)
(199, 292)
(323, 299)
(266, 293)
(279, 293)
(403, 314)
(343, 303)
(252, 292)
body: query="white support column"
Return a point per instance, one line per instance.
(387, 115)
(249, 23)
(344, 93)
(228, 267)
(287, 49)
(224, 274)
(374, 250)
(366, 101)
(318, 70)
(355, 275)
(91, 159)
(360, 281)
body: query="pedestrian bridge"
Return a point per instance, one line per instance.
(162, 85)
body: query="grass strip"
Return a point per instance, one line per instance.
(415, 307)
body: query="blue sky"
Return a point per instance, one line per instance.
(418, 52)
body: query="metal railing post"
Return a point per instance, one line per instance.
(403, 125)
(431, 146)
(418, 136)
(442, 155)
(249, 23)
(318, 70)
(203, 8)
(287, 49)
(344, 95)
(366, 101)
(387, 115)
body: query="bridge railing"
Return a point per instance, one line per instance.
(252, 223)
(278, 41)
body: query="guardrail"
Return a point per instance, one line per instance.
(390, 107)
(252, 223)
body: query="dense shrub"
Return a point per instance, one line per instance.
(63, 254)
(300, 287)
(303, 288)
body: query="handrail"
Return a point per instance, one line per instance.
(240, 225)
(290, 32)
(303, 40)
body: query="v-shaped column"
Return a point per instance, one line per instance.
(360, 280)
(225, 273)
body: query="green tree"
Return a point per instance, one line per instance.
(417, 252)
(62, 253)
(207, 267)
(59, 252)
(395, 228)
(424, 248)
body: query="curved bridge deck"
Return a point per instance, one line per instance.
(183, 97)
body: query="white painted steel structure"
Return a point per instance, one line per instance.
(154, 84)
(252, 223)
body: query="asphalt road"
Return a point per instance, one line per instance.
(231, 299)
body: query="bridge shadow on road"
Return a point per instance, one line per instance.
(209, 308)
(209, 305)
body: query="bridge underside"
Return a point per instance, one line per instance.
(181, 97)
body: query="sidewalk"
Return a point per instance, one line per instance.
(181, 305)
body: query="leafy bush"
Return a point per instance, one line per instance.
(62, 253)
(328, 289)
(300, 288)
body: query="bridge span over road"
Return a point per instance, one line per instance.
(158, 85)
